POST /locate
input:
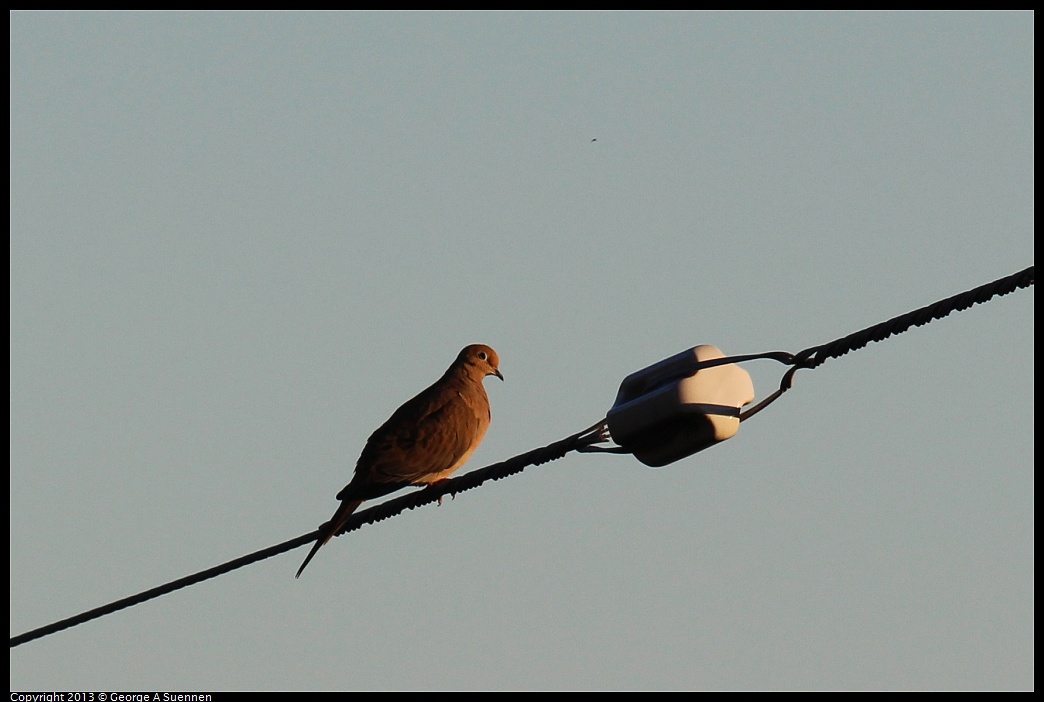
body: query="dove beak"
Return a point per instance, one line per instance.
(496, 372)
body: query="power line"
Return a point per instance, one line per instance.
(817, 355)
(584, 441)
(380, 512)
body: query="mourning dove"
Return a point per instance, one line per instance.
(424, 441)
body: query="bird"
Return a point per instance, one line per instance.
(425, 441)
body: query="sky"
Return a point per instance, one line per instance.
(239, 241)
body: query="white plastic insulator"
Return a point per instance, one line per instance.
(674, 408)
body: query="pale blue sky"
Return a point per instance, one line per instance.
(240, 241)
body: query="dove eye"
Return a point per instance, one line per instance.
(482, 355)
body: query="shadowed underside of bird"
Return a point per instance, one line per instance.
(425, 441)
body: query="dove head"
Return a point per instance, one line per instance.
(479, 360)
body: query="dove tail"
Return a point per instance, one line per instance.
(327, 531)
